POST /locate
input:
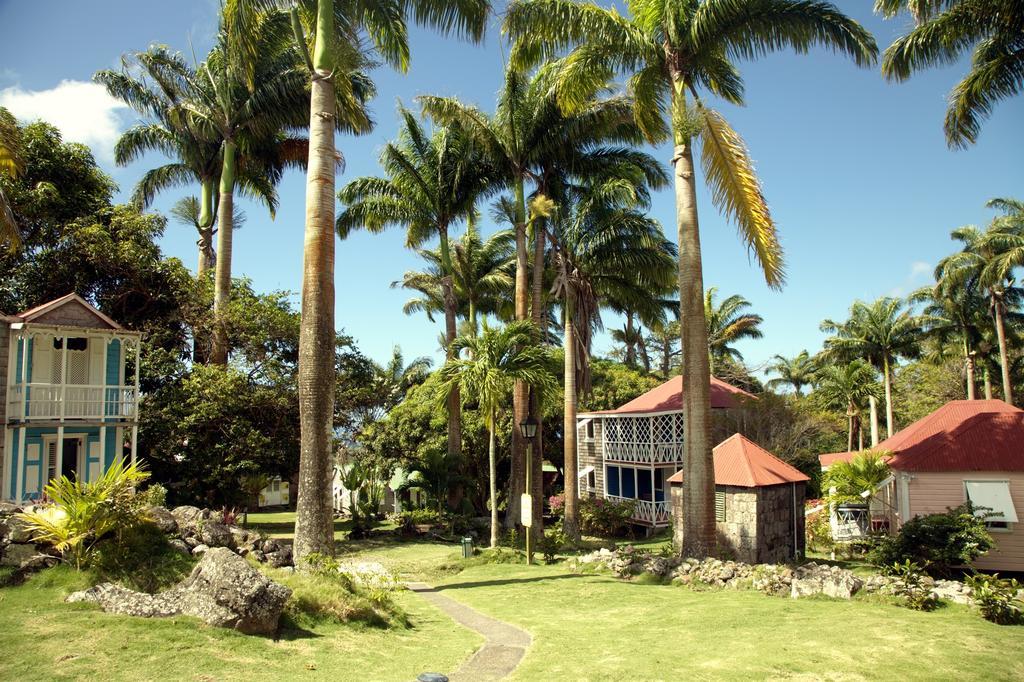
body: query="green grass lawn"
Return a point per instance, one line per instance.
(584, 627)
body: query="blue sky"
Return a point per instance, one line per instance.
(855, 169)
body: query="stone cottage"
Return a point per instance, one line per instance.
(759, 503)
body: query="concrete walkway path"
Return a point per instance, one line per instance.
(498, 657)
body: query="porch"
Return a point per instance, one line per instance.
(644, 487)
(646, 439)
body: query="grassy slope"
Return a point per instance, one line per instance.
(44, 638)
(598, 628)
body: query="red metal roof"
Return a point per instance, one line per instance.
(962, 435)
(741, 462)
(668, 397)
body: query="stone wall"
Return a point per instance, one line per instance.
(775, 518)
(758, 525)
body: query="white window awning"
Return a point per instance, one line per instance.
(994, 499)
(585, 471)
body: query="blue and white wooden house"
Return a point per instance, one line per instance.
(71, 395)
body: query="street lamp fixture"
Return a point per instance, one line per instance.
(528, 427)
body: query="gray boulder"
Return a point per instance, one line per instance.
(24, 556)
(180, 545)
(215, 534)
(223, 590)
(189, 518)
(15, 529)
(200, 549)
(163, 519)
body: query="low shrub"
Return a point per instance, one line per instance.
(140, 557)
(600, 516)
(325, 593)
(997, 599)
(910, 587)
(553, 541)
(556, 503)
(154, 496)
(819, 532)
(937, 542)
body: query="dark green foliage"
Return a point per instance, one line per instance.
(997, 599)
(937, 542)
(605, 517)
(614, 384)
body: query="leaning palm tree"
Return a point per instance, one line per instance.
(945, 30)
(433, 181)
(497, 358)
(847, 387)
(983, 264)
(604, 249)
(880, 332)
(727, 323)
(670, 51)
(333, 60)
(11, 165)
(796, 372)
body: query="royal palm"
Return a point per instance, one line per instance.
(797, 371)
(671, 51)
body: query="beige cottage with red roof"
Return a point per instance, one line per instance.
(759, 503)
(966, 450)
(630, 452)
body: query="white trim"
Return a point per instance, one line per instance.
(617, 415)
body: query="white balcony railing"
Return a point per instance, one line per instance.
(49, 402)
(648, 512)
(644, 439)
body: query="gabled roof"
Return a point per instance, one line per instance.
(962, 435)
(741, 462)
(68, 299)
(668, 397)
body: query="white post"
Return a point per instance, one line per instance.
(63, 379)
(20, 491)
(137, 398)
(25, 340)
(103, 381)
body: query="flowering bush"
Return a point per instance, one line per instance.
(600, 516)
(557, 504)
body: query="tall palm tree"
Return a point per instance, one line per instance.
(880, 332)
(433, 182)
(954, 316)
(604, 249)
(670, 50)
(393, 380)
(944, 30)
(797, 371)
(189, 211)
(985, 262)
(727, 323)
(847, 387)
(338, 32)
(157, 83)
(664, 338)
(482, 277)
(532, 140)
(496, 358)
(11, 165)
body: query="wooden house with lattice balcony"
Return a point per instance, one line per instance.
(630, 452)
(71, 395)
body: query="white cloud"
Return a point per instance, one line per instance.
(920, 272)
(83, 112)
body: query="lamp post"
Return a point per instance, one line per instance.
(528, 429)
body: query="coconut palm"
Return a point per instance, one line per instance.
(669, 51)
(482, 277)
(880, 332)
(433, 182)
(726, 324)
(333, 60)
(496, 358)
(392, 381)
(797, 371)
(604, 249)
(945, 30)
(11, 165)
(986, 263)
(530, 139)
(847, 387)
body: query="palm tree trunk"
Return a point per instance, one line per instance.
(849, 430)
(873, 403)
(1004, 359)
(454, 399)
(887, 379)
(316, 378)
(969, 367)
(699, 486)
(206, 254)
(222, 277)
(537, 315)
(571, 522)
(493, 480)
(630, 346)
(520, 391)
(988, 384)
